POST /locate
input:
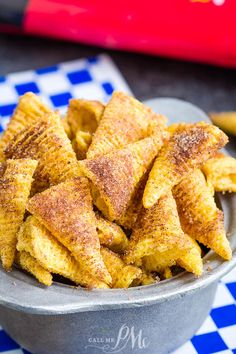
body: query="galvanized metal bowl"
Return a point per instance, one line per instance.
(150, 319)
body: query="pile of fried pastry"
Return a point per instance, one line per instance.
(110, 196)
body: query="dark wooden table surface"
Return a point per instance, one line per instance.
(211, 88)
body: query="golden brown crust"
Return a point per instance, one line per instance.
(3, 167)
(29, 110)
(66, 210)
(185, 151)
(81, 144)
(124, 121)
(35, 239)
(47, 142)
(199, 215)
(66, 128)
(149, 278)
(31, 265)
(129, 219)
(158, 229)
(159, 262)
(122, 275)
(157, 122)
(116, 175)
(15, 187)
(220, 172)
(225, 121)
(84, 115)
(192, 261)
(172, 128)
(105, 172)
(110, 234)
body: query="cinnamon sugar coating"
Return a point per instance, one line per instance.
(124, 121)
(15, 185)
(199, 215)
(158, 229)
(28, 111)
(116, 175)
(47, 142)
(66, 211)
(187, 149)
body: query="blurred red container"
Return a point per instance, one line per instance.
(199, 30)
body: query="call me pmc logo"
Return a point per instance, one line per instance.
(127, 337)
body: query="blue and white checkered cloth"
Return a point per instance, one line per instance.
(91, 78)
(96, 78)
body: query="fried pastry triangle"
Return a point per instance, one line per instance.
(116, 175)
(15, 187)
(186, 149)
(81, 143)
(47, 142)
(199, 215)
(124, 120)
(66, 128)
(220, 172)
(225, 121)
(122, 275)
(31, 265)
(158, 229)
(162, 261)
(35, 239)
(149, 278)
(110, 234)
(66, 210)
(192, 261)
(29, 110)
(129, 219)
(84, 115)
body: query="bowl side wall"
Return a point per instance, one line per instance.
(158, 328)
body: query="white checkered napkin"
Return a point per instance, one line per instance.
(96, 78)
(91, 78)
